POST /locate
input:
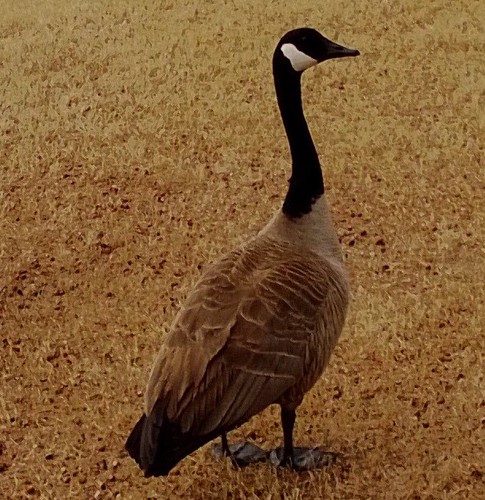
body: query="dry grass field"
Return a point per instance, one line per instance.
(141, 140)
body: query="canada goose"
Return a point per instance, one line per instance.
(261, 323)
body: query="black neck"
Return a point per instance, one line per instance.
(306, 182)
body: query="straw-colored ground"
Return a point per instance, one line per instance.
(140, 140)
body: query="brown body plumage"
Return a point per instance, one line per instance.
(258, 328)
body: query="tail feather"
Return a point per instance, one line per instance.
(133, 442)
(158, 448)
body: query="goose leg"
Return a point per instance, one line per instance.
(224, 445)
(241, 454)
(288, 418)
(298, 459)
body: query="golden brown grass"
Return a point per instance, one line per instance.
(140, 140)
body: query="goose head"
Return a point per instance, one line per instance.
(303, 48)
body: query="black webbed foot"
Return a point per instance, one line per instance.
(303, 458)
(241, 454)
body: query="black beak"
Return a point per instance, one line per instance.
(335, 50)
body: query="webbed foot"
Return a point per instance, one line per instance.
(303, 458)
(241, 454)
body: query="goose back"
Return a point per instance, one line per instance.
(258, 328)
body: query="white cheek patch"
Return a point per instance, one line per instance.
(299, 60)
